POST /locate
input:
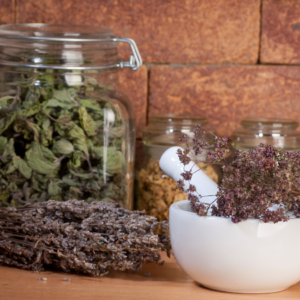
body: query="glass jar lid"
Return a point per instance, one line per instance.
(56, 32)
(63, 47)
(166, 129)
(180, 119)
(269, 124)
(280, 133)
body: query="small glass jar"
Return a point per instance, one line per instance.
(157, 191)
(66, 129)
(280, 133)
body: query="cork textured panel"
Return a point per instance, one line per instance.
(135, 85)
(180, 31)
(280, 40)
(6, 11)
(226, 94)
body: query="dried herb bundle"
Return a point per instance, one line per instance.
(77, 236)
(61, 137)
(261, 183)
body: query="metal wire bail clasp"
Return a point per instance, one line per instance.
(135, 60)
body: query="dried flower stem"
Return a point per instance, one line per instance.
(263, 183)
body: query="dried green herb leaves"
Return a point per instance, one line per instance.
(57, 142)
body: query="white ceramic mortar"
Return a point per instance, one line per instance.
(248, 257)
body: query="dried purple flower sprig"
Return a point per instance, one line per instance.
(254, 181)
(78, 236)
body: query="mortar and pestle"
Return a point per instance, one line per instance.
(247, 257)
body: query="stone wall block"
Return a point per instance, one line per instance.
(280, 38)
(179, 31)
(226, 94)
(135, 85)
(7, 12)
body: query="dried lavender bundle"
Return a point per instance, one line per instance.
(78, 236)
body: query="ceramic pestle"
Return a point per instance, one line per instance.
(171, 165)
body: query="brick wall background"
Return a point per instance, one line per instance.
(226, 59)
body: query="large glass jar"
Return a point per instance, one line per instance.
(66, 130)
(280, 133)
(157, 191)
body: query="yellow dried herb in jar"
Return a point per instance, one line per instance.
(157, 191)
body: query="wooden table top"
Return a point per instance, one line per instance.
(166, 282)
